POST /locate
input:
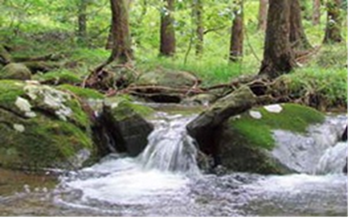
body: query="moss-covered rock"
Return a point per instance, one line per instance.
(15, 71)
(170, 79)
(58, 77)
(84, 93)
(246, 141)
(42, 127)
(124, 104)
(124, 123)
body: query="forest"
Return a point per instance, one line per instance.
(192, 105)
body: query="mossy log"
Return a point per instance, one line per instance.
(208, 123)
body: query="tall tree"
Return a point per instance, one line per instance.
(334, 22)
(198, 20)
(167, 31)
(262, 14)
(298, 38)
(82, 21)
(237, 34)
(121, 47)
(120, 32)
(278, 55)
(316, 12)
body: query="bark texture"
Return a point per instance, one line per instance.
(262, 14)
(334, 22)
(167, 31)
(278, 55)
(316, 12)
(198, 20)
(298, 38)
(237, 35)
(120, 33)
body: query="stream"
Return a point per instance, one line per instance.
(165, 181)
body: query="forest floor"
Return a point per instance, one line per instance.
(321, 71)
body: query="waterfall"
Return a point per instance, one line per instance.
(333, 160)
(162, 181)
(170, 148)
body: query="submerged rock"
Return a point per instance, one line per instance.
(15, 71)
(42, 127)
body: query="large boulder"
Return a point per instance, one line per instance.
(251, 136)
(123, 121)
(42, 127)
(165, 85)
(15, 71)
(246, 142)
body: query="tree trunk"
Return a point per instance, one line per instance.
(237, 35)
(278, 55)
(110, 39)
(198, 20)
(334, 22)
(262, 15)
(316, 12)
(298, 38)
(82, 20)
(167, 32)
(120, 32)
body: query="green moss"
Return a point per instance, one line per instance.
(126, 108)
(258, 132)
(58, 77)
(82, 92)
(79, 116)
(44, 143)
(46, 140)
(9, 91)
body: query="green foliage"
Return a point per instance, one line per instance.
(258, 132)
(329, 84)
(39, 27)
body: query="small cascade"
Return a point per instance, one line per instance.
(302, 152)
(170, 148)
(333, 160)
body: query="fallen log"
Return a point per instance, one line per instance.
(208, 123)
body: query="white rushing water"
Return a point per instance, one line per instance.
(165, 181)
(170, 148)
